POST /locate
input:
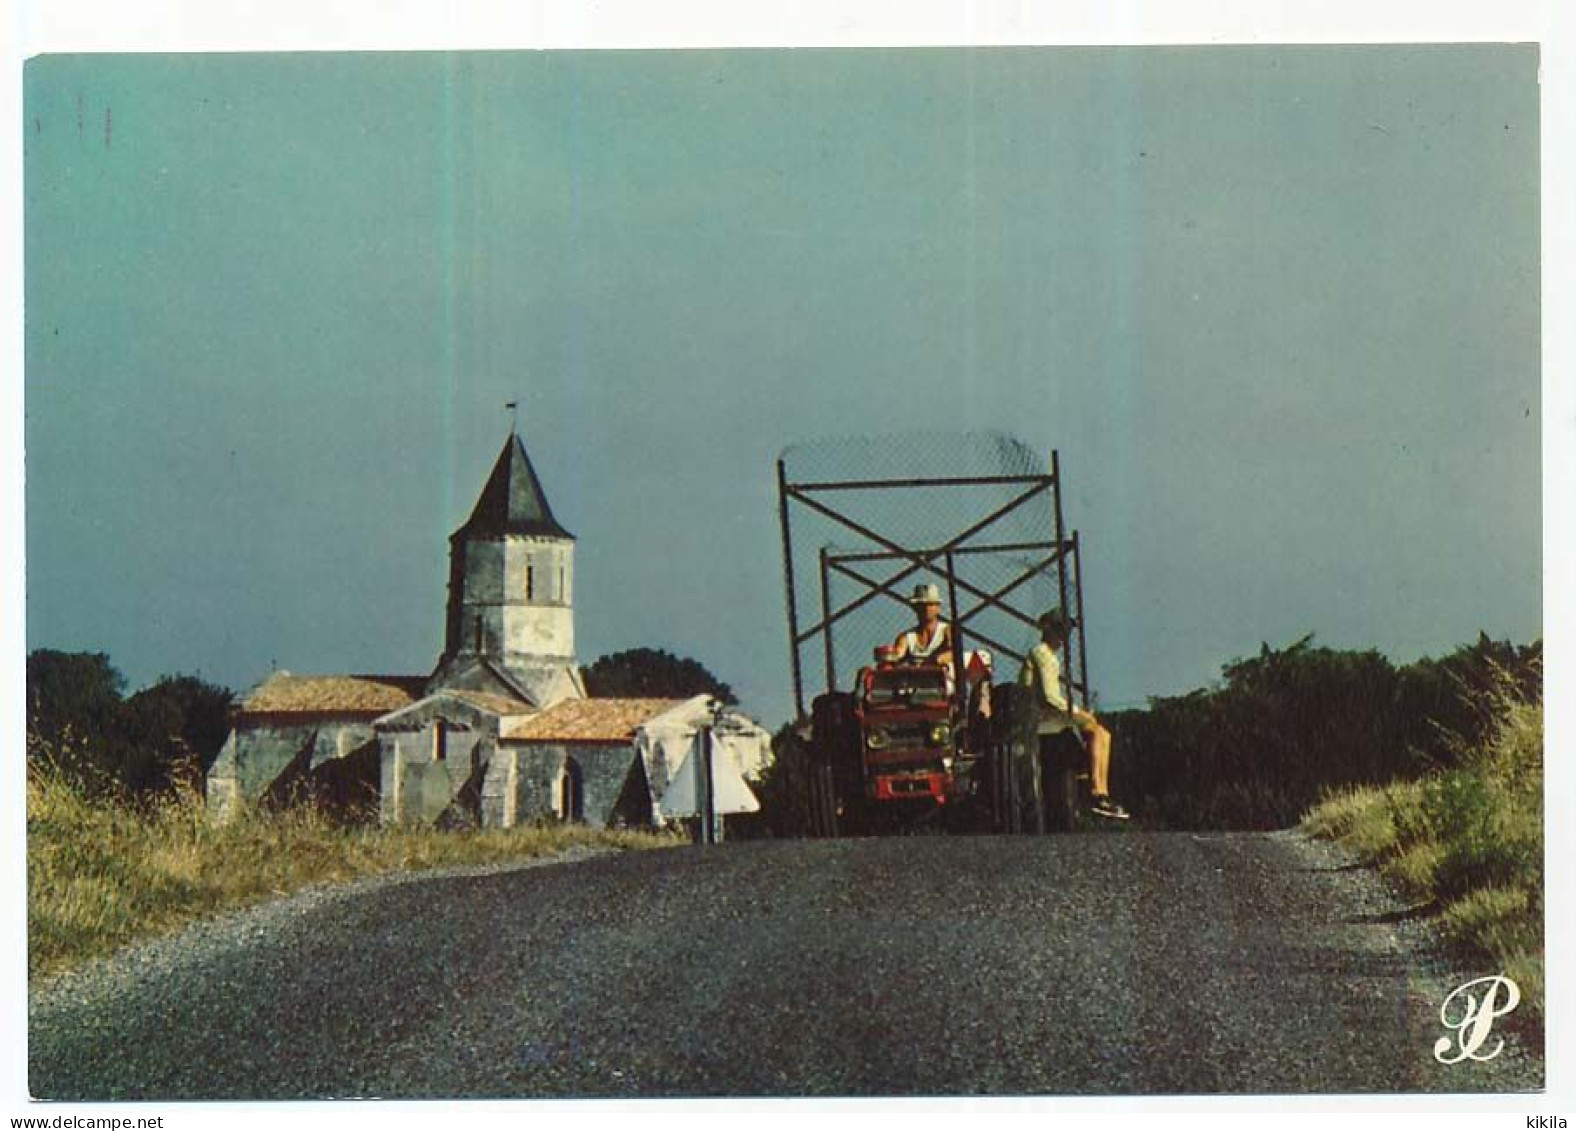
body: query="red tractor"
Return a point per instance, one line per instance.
(904, 745)
(906, 751)
(914, 744)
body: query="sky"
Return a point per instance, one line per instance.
(1276, 308)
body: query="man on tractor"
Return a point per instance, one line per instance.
(1043, 672)
(931, 638)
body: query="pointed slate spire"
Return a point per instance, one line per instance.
(512, 502)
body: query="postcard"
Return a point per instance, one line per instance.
(837, 571)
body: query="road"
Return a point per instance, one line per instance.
(1133, 963)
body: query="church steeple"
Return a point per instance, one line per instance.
(513, 502)
(511, 590)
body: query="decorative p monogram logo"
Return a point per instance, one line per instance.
(1475, 1018)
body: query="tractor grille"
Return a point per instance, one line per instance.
(906, 735)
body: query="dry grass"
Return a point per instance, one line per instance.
(101, 875)
(1357, 817)
(1467, 841)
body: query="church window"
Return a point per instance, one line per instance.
(530, 582)
(440, 740)
(563, 592)
(571, 792)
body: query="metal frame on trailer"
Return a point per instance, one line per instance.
(1062, 552)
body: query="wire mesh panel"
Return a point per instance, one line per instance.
(867, 519)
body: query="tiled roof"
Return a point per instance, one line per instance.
(587, 720)
(284, 693)
(497, 704)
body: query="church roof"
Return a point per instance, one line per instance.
(283, 693)
(587, 720)
(496, 704)
(512, 502)
(443, 704)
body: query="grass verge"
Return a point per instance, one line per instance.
(1466, 842)
(101, 875)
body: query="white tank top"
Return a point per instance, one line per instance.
(913, 647)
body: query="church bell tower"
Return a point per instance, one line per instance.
(511, 592)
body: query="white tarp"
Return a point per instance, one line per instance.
(730, 792)
(664, 743)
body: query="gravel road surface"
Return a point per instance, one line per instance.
(1132, 963)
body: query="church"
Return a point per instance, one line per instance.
(501, 732)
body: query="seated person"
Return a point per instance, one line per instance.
(1043, 671)
(931, 638)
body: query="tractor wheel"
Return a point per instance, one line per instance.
(1038, 801)
(835, 730)
(821, 800)
(1063, 794)
(1061, 799)
(1004, 791)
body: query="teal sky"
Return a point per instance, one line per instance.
(1277, 309)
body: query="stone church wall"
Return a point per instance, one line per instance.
(417, 787)
(525, 784)
(257, 755)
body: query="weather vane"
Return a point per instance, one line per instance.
(514, 415)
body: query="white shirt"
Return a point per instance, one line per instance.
(939, 642)
(1043, 672)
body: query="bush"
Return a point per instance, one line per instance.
(1468, 840)
(1287, 726)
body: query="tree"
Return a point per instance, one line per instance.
(107, 744)
(1288, 724)
(187, 710)
(77, 689)
(652, 673)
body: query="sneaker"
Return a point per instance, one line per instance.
(1105, 807)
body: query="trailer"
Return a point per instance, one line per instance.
(895, 745)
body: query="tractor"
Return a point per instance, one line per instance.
(928, 745)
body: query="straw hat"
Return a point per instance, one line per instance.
(925, 595)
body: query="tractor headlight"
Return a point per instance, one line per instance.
(876, 739)
(940, 734)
